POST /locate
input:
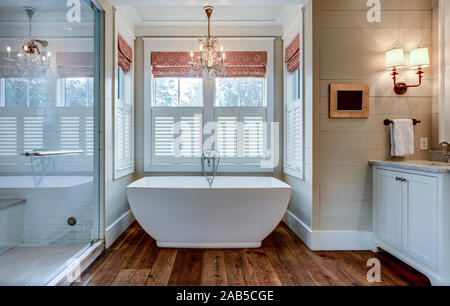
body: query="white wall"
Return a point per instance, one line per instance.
(118, 215)
(300, 208)
(352, 50)
(435, 72)
(444, 121)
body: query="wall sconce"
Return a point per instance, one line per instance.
(419, 58)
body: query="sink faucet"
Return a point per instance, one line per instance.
(446, 145)
(447, 155)
(214, 157)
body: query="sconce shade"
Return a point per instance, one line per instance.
(395, 58)
(419, 58)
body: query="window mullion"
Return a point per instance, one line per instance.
(2, 93)
(179, 98)
(87, 92)
(239, 92)
(28, 93)
(208, 106)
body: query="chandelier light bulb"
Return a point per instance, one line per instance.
(28, 60)
(211, 62)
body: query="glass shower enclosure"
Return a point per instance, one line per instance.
(49, 142)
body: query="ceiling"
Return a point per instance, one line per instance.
(189, 12)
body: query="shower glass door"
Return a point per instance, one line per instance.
(49, 141)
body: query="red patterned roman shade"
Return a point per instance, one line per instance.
(238, 64)
(292, 55)
(75, 64)
(125, 55)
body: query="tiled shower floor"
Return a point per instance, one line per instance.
(34, 265)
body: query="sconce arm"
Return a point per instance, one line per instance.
(401, 87)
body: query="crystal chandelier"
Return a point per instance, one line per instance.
(210, 63)
(32, 61)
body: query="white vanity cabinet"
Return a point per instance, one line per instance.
(411, 216)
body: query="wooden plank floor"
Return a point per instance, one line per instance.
(283, 259)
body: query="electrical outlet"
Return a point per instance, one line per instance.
(424, 143)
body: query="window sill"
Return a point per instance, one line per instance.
(174, 168)
(292, 171)
(122, 172)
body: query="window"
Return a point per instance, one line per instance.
(123, 125)
(21, 131)
(293, 164)
(187, 113)
(178, 92)
(237, 108)
(239, 92)
(240, 115)
(177, 119)
(17, 92)
(77, 92)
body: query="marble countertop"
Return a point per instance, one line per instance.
(418, 165)
(9, 202)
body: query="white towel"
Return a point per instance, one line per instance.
(402, 137)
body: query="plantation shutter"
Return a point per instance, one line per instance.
(124, 137)
(128, 131)
(253, 136)
(177, 137)
(227, 135)
(164, 135)
(69, 133)
(119, 126)
(89, 136)
(191, 135)
(33, 129)
(294, 130)
(8, 136)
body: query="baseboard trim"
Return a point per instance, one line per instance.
(329, 240)
(118, 227)
(298, 227)
(341, 241)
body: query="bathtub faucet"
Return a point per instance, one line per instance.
(214, 157)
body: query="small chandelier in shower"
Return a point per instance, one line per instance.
(32, 60)
(211, 63)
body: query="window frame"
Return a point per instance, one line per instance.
(179, 94)
(209, 112)
(61, 92)
(124, 100)
(124, 167)
(239, 95)
(296, 167)
(3, 93)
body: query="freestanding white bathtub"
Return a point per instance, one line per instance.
(185, 212)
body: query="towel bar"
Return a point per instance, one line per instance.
(388, 122)
(51, 153)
